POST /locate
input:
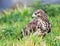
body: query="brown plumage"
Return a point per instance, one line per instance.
(39, 24)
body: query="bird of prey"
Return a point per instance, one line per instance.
(39, 25)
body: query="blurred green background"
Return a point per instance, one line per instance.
(12, 22)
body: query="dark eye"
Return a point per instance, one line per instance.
(35, 13)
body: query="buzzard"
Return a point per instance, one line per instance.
(39, 25)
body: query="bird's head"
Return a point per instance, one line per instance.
(38, 13)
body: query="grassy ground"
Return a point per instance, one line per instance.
(12, 23)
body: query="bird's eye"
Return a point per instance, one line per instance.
(35, 13)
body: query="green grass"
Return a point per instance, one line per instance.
(12, 23)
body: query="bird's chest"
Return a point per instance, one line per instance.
(42, 24)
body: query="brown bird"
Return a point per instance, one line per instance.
(39, 24)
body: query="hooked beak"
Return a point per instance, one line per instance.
(33, 16)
